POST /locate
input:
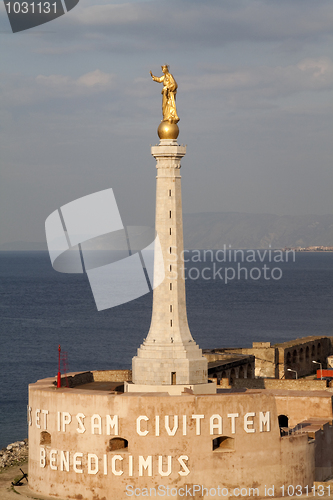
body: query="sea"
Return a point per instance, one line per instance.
(230, 303)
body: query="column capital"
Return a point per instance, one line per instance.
(168, 151)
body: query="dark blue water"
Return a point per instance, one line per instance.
(41, 308)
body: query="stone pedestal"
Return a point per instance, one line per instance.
(172, 390)
(169, 355)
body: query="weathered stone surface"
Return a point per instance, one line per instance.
(255, 452)
(112, 375)
(75, 379)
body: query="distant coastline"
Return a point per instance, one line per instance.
(42, 247)
(309, 249)
(237, 230)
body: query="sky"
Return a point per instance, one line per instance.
(79, 110)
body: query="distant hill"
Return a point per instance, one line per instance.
(212, 230)
(241, 230)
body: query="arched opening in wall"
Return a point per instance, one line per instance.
(249, 372)
(232, 375)
(214, 375)
(318, 349)
(294, 356)
(45, 438)
(283, 421)
(223, 443)
(288, 359)
(241, 372)
(307, 352)
(313, 351)
(117, 444)
(283, 425)
(224, 374)
(301, 354)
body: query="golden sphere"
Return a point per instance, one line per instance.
(167, 130)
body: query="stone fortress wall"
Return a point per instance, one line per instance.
(88, 441)
(91, 437)
(283, 384)
(272, 361)
(231, 366)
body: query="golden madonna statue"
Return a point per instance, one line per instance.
(169, 92)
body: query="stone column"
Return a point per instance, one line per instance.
(169, 354)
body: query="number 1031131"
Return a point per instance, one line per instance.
(31, 7)
(311, 491)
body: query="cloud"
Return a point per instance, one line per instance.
(239, 87)
(264, 82)
(95, 81)
(159, 25)
(194, 21)
(20, 90)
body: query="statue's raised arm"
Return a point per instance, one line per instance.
(169, 92)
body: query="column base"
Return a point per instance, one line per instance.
(175, 370)
(172, 390)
